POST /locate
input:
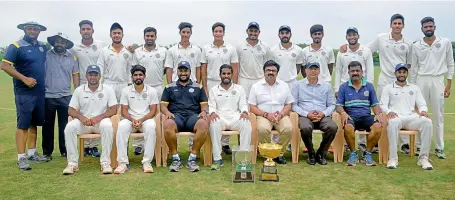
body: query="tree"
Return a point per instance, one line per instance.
(302, 45)
(453, 47)
(376, 58)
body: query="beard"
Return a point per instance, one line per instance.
(285, 40)
(59, 49)
(353, 43)
(429, 34)
(138, 82)
(92, 83)
(401, 79)
(226, 81)
(184, 80)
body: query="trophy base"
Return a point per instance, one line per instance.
(269, 174)
(237, 177)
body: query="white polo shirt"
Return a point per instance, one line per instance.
(287, 59)
(324, 56)
(153, 61)
(115, 65)
(230, 102)
(191, 54)
(270, 98)
(402, 100)
(216, 56)
(252, 59)
(434, 60)
(91, 104)
(139, 103)
(362, 55)
(86, 56)
(391, 52)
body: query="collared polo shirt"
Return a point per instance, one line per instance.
(185, 100)
(270, 98)
(29, 60)
(228, 102)
(86, 56)
(310, 97)
(153, 61)
(252, 59)
(362, 55)
(215, 56)
(59, 72)
(324, 56)
(139, 102)
(115, 65)
(357, 103)
(177, 53)
(288, 60)
(91, 104)
(402, 100)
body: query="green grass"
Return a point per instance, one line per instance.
(297, 181)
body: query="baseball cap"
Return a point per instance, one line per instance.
(93, 68)
(184, 64)
(310, 64)
(253, 25)
(284, 27)
(352, 29)
(401, 66)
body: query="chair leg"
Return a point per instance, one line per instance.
(338, 142)
(81, 149)
(164, 152)
(254, 144)
(208, 151)
(383, 145)
(412, 139)
(158, 146)
(295, 145)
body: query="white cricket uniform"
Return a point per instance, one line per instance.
(86, 56)
(153, 61)
(324, 56)
(391, 53)
(138, 106)
(402, 101)
(214, 57)
(362, 55)
(228, 104)
(429, 65)
(90, 104)
(288, 59)
(177, 53)
(116, 67)
(251, 63)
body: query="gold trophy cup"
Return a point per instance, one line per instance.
(269, 171)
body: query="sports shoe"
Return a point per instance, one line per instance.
(47, 157)
(217, 164)
(192, 166)
(424, 163)
(175, 166)
(417, 153)
(94, 152)
(353, 159)
(440, 153)
(70, 169)
(392, 164)
(138, 151)
(87, 152)
(227, 149)
(368, 159)
(35, 157)
(22, 164)
(147, 167)
(121, 169)
(405, 149)
(362, 147)
(106, 168)
(375, 149)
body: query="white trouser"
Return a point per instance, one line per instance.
(432, 88)
(139, 142)
(124, 130)
(117, 87)
(410, 122)
(75, 128)
(276, 137)
(229, 123)
(210, 84)
(247, 83)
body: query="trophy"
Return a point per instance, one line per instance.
(269, 171)
(243, 168)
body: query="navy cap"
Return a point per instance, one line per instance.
(310, 64)
(284, 27)
(93, 68)
(253, 25)
(401, 66)
(184, 64)
(352, 29)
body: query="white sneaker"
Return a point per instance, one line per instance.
(122, 168)
(392, 164)
(424, 163)
(70, 169)
(106, 168)
(147, 168)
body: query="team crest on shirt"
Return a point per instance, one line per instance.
(323, 53)
(125, 55)
(144, 95)
(192, 55)
(402, 47)
(191, 90)
(411, 93)
(225, 50)
(366, 93)
(438, 45)
(258, 48)
(293, 55)
(360, 53)
(41, 49)
(100, 95)
(233, 92)
(94, 48)
(157, 55)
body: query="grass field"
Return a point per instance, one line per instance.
(297, 181)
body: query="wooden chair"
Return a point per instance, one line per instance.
(207, 148)
(296, 143)
(384, 157)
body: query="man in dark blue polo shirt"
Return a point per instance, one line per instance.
(356, 97)
(184, 104)
(24, 61)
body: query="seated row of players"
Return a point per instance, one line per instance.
(187, 108)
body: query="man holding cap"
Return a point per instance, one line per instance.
(315, 102)
(399, 100)
(91, 107)
(287, 55)
(28, 56)
(316, 52)
(61, 67)
(184, 104)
